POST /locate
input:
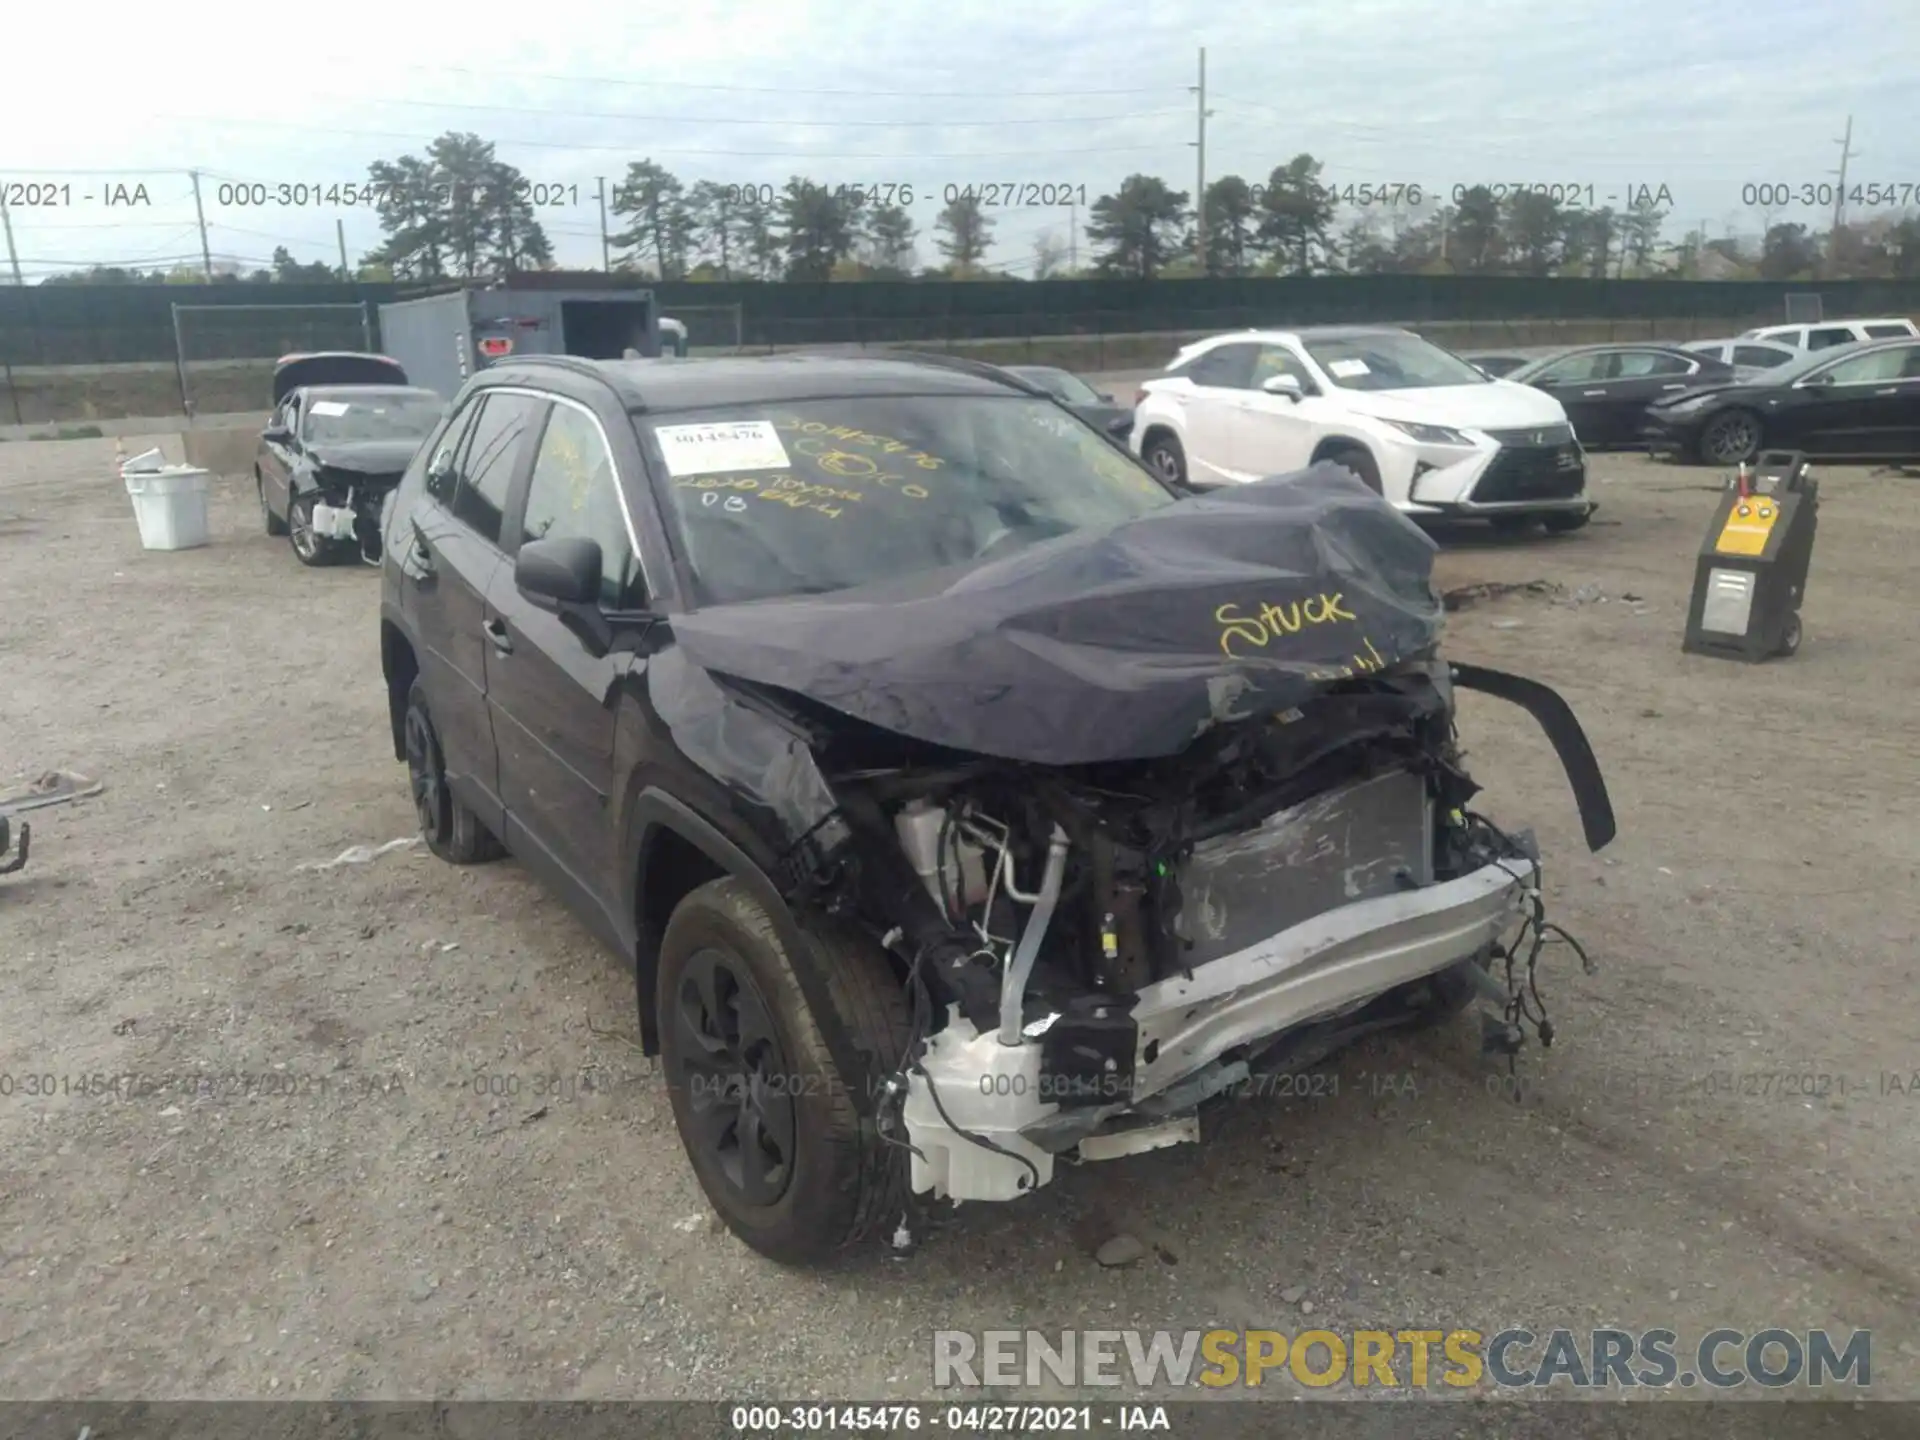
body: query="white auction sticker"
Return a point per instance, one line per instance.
(327, 407)
(1346, 369)
(713, 448)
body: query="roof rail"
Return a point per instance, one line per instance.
(980, 369)
(580, 365)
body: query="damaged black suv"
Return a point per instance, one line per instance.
(963, 797)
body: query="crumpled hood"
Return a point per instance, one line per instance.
(1115, 644)
(366, 457)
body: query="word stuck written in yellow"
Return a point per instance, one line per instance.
(1276, 622)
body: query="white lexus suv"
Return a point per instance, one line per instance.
(1427, 430)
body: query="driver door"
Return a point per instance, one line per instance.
(555, 705)
(1275, 434)
(276, 457)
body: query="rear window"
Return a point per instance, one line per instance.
(1759, 357)
(342, 417)
(816, 496)
(1888, 330)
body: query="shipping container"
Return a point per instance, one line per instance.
(443, 339)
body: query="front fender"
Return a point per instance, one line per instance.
(1563, 731)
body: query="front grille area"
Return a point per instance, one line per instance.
(1547, 435)
(1362, 840)
(1532, 472)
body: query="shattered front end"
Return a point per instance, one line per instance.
(1146, 812)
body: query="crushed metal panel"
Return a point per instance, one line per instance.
(1354, 843)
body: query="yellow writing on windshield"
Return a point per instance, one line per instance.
(1276, 622)
(820, 430)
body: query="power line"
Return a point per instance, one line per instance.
(414, 137)
(653, 84)
(815, 124)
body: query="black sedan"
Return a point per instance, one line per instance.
(342, 431)
(1849, 402)
(1094, 406)
(1606, 389)
(1495, 366)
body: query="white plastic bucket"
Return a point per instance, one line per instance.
(171, 506)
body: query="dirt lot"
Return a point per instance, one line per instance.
(414, 1208)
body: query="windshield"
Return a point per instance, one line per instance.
(1069, 388)
(341, 418)
(1390, 362)
(810, 497)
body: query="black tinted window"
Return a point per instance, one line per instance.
(1638, 364)
(1886, 332)
(1826, 339)
(486, 464)
(575, 495)
(1225, 366)
(1758, 356)
(443, 467)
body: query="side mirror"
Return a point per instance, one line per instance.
(441, 466)
(1106, 397)
(557, 574)
(279, 434)
(1288, 385)
(1820, 381)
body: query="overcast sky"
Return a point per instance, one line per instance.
(1701, 96)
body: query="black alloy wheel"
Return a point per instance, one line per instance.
(451, 830)
(1730, 438)
(738, 1084)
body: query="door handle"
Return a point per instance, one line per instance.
(420, 554)
(1681, 385)
(1592, 393)
(1890, 390)
(496, 629)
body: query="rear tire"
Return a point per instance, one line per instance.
(768, 1122)
(1165, 458)
(451, 830)
(1361, 463)
(1790, 640)
(275, 526)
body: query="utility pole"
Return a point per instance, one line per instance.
(340, 234)
(206, 256)
(1200, 179)
(606, 253)
(1073, 238)
(13, 255)
(1839, 200)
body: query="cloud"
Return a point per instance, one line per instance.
(1701, 97)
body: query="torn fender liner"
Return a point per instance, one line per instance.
(1120, 643)
(1569, 741)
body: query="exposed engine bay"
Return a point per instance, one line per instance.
(1093, 951)
(351, 507)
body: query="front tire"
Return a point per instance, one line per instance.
(1165, 458)
(767, 1120)
(1731, 438)
(451, 830)
(1362, 464)
(1563, 522)
(308, 547)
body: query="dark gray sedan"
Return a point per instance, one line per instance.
(1095, 407)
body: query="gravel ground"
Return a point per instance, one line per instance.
(459, 1177)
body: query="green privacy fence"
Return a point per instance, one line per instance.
(104, 325)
